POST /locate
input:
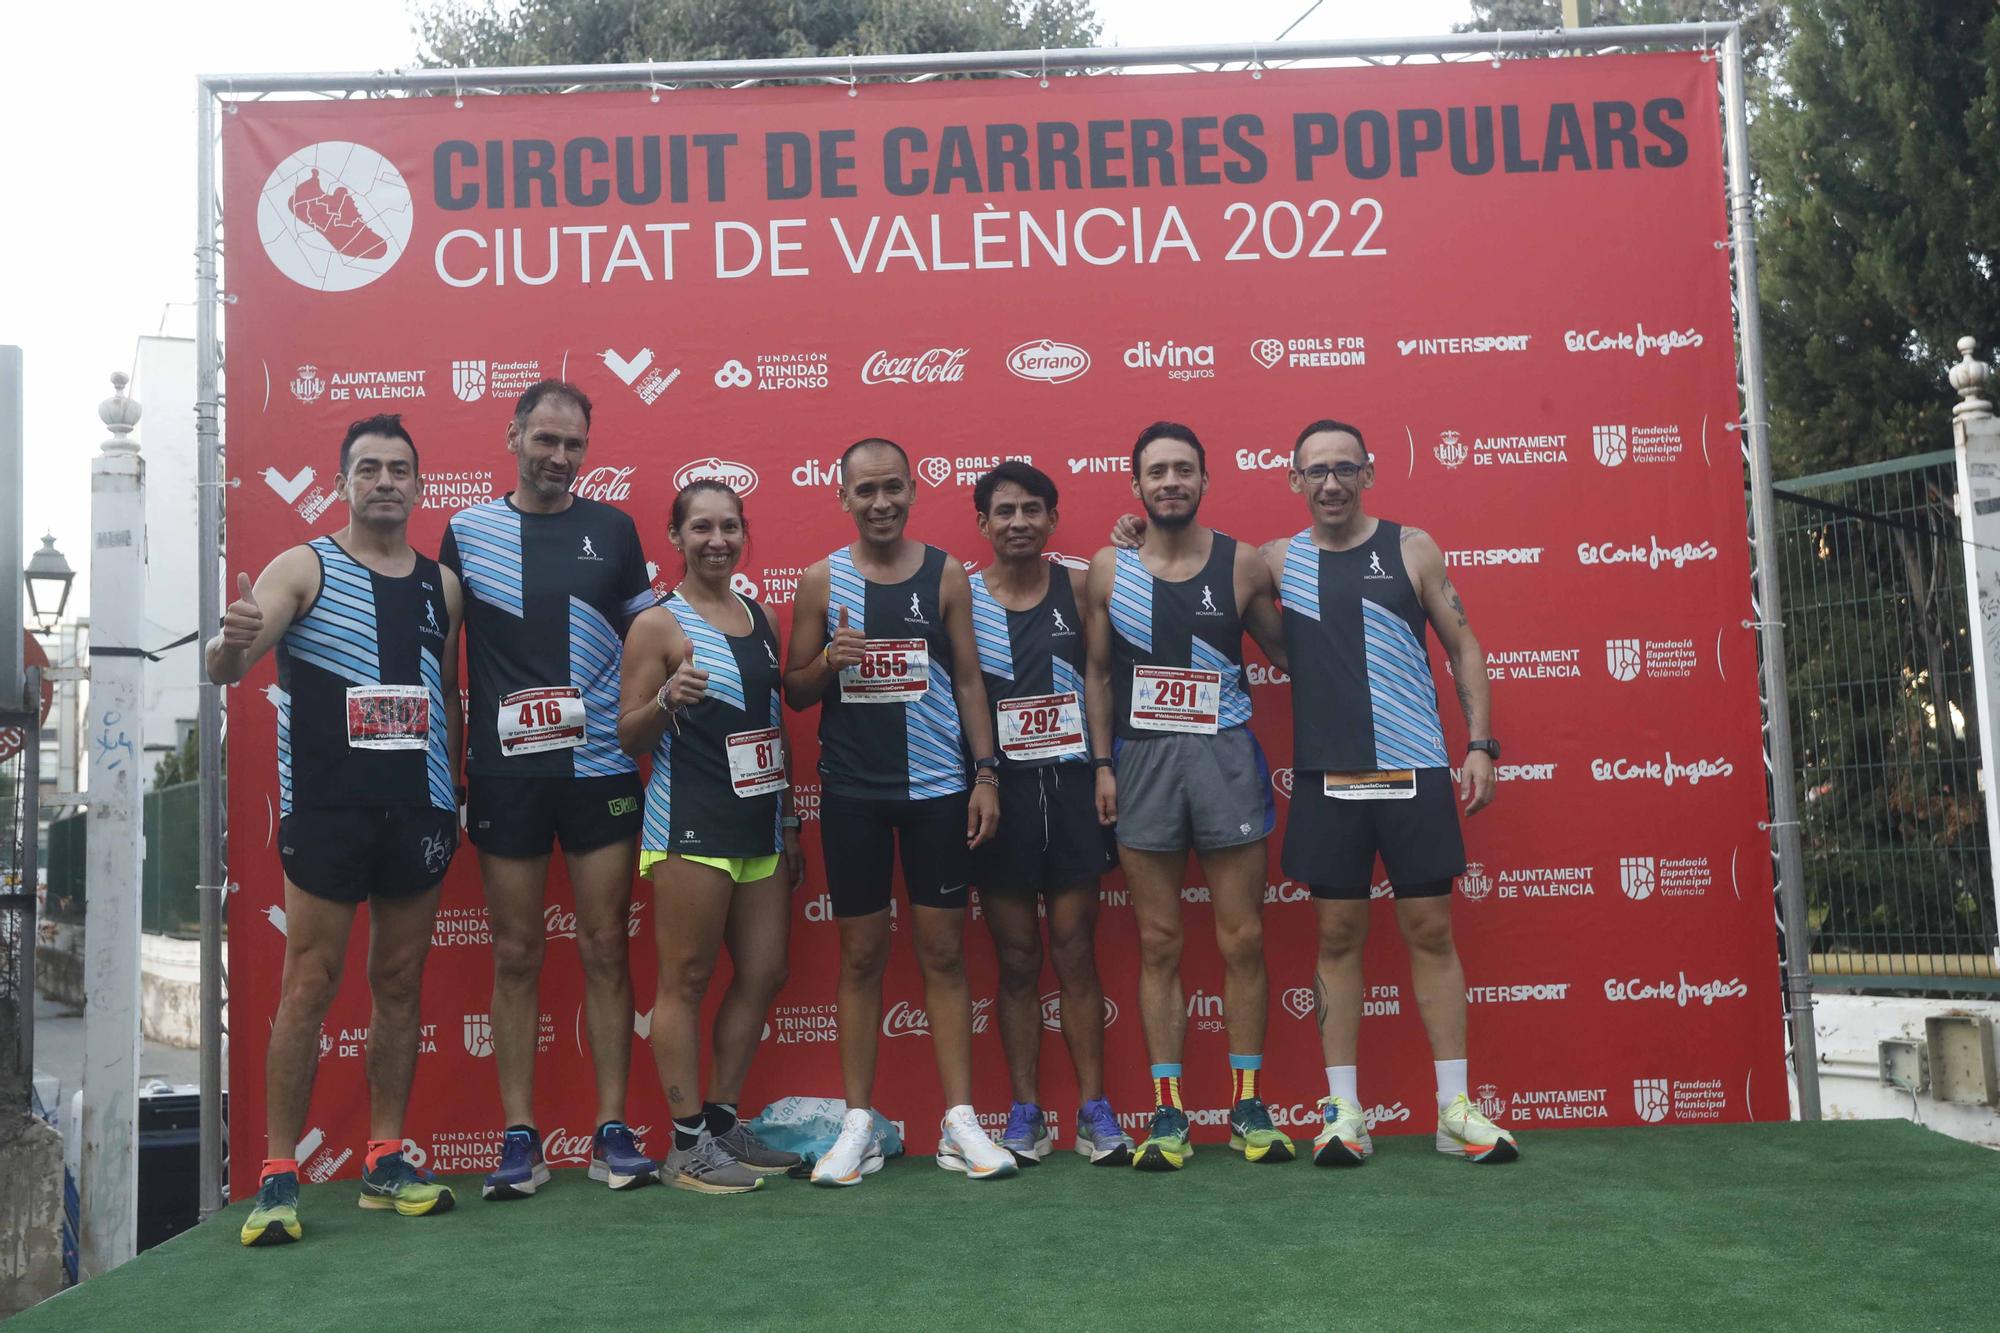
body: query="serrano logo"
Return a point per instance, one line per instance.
(738, 477)
(1048, 361)
(1052, 1011)
(334, 216)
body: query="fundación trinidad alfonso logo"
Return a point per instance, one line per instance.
(335, 216)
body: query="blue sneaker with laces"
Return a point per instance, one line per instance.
(616, 1160)
(1098, 1136)
(1027, 1135)
(521, 1171)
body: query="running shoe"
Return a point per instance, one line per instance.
(1464, 1132)
(521, 1171)
(963, 1146)
(1166, 1147)
(707, 1168)
(1252, 1133)
(1343, 1136)
(1027, 1134)
(394, 1183)
(616, 1160)
(856, 1153)
(1098, 1136)
(274, 1218)
(753, 1154)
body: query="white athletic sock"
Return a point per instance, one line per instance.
(1451, 1081)
(1340, 1082)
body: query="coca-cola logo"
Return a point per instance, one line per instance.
(903, 1019)
(609, 484)
(939, 365)
(562, 1148)
(560, 921)
(738, 477)
(1048, 361)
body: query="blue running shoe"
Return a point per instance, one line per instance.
(616, 1160)
(522, 1170)
(1098, 1136)
(1027, 1135)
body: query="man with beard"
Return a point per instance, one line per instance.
(366, 634)
(882, 641)
(1177, 769)
(552, 580)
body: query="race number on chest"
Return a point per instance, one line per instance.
(891, 671)
(1042, 726)
(1176, 699)
(547, 718)
(756, 761)
(388, 717)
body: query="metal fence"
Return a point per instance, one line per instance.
(169, 902)
(1885, 720)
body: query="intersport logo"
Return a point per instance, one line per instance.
(1651, 554)
(1665, 770)
(738, 477)
(1678, 991)
(1049, 362)
(1474, 346)
(938, 365)
(612, 485)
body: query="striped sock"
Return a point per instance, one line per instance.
(1243, 1071)
(1167, 1086)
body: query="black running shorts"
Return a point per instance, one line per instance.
(345, 854)
(861, 839)
(1331, 844)
(525, 817)
(1049, 837)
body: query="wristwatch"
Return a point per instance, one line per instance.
(989, 762)
(1489, 748)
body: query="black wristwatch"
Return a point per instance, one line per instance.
(1489, 748)
(1101, 762)
(989, 762)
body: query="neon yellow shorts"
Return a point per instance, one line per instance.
(740, 869)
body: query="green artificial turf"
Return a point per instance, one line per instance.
(1828, 1226)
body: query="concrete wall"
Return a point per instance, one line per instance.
(1849, 1028)
(31, 1212)
(169, 980)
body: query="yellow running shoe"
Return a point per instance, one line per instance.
(1343, 1136)
(274, 1218)
(1252, 1133)
(1464, 1132)
(394, 1183)
(1166, 1147)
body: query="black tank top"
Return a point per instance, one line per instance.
(363, 630)
(1190, 624)
(893, 751)
(1363, 698)
(692, 801)
(1039, 651)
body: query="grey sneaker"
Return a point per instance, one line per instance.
(707, 1168)
(752, 1154)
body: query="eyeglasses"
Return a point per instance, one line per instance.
(1340, 472)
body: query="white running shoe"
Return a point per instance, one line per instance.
(856, 1153)
(964, 1146)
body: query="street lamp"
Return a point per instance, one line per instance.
(48, 577)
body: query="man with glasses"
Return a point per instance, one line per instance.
(1371, 773)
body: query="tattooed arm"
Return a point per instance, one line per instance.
(1446, 611)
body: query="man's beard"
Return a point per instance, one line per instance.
(1156, 518)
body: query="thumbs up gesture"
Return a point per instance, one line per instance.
(847, 646)
(244, 620)
(689, 683)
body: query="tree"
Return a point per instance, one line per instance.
(586, 32)
(180, 765)
(1879, 223)
(1763, 20)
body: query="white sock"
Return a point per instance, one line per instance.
(1340, 1081)
(1451, 1081)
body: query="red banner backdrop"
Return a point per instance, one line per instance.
(1509, 275)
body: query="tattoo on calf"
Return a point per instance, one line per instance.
(1319, 1001)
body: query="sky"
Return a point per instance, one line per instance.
(96, 148)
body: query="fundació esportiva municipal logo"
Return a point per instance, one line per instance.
(335, 216)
